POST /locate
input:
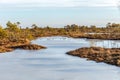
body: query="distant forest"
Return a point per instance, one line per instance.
(14, 32)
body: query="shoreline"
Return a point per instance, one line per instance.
(98, 54)
(98, 36)
(23, 44)
(13, 36)
(9, 46)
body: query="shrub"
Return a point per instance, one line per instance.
(3, 33)
(12, 27)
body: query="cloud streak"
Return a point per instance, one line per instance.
(57, 3)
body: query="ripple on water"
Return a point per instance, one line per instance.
(53, 64)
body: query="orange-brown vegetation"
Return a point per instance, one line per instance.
(14, 34)
(98, 54)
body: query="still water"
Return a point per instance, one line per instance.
(53, 64)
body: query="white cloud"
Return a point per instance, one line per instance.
(58, 3)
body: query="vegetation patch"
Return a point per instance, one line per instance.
(98, 54)
(13, 35)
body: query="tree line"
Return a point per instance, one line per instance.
(14, 32)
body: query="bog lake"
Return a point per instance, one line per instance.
(54, 64)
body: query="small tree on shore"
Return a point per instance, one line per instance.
(13, 27)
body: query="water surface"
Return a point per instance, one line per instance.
(53, 64)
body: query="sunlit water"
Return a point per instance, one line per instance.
(53, 64)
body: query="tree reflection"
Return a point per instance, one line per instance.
(104, 43)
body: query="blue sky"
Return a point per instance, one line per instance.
(58, 13)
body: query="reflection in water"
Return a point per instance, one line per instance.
(105, 43)
(53, 64)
